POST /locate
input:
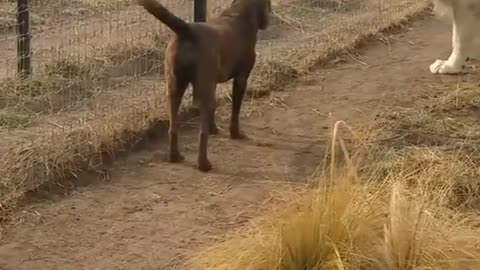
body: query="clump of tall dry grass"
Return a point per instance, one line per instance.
(402, 220)
(349, 226)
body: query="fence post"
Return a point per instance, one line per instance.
(200, 10)
(24, 67)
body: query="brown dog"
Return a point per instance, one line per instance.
(205, 54)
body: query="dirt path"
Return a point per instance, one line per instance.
(150, 211)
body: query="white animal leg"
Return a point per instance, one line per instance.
(461, 38)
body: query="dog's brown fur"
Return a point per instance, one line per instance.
(205, 54)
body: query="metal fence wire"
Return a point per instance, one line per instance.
(34, 33)
(23, 27)
(37, 33)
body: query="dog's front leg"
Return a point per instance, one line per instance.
(238, 92)
(461, 38)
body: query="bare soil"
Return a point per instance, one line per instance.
(148, 212)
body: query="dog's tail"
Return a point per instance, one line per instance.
(179, 26)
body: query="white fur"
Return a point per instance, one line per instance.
(465, 18)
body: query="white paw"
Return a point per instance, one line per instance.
(444, 67)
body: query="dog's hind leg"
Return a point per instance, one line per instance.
(212, 127)
(205, 89)
(238, 92)
(176, 87)
(461, 45)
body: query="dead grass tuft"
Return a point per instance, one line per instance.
(398, 216)
(351, 226)
(10, 120)
(398, 203)
(83, 147)
(431, 169)
(271, 75)
(68, 82)
(44, 96)
(115, 61)
(436, 141)
(70, 69)
(314, 230)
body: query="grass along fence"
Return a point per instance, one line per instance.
(73, 30)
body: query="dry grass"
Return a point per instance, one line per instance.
(10, 120)
(401, 213)
(7, 16)
(351, 226)
(44, 12)
(413, 205)
(440, 140)
(68, 82)
(408, 198)
(43, 96)
(87, 144)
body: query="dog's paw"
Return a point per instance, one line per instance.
(175, 158)
(204, 165)
(444, 67)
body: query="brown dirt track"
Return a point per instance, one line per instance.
(150, 213)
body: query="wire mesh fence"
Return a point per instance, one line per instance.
(64, 30)
(75, 30)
